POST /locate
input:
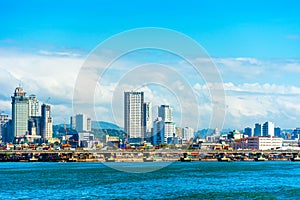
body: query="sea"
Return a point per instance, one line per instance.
(178, 180)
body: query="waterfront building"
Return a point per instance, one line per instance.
(86, 139)
(268, 129)
(20, 112)
(165, 112)
(46, 122)
(147, 121)
(112, 140)
(134, 116)
(188, 133)
(257, 130)
(34, 106)
(264, 143)
(248, 131)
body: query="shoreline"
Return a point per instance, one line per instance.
(146, 156)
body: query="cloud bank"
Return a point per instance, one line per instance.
(256, 90)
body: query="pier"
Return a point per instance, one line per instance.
(144, 156)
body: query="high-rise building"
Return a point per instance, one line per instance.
(134, 115)
(89, 124)
(162, 131)
(277, 132)
(3, 120)
(268, 129)
(165, 112)
(20, 112)
(188, 133)
(257, 130)
(34, 106)
(147, 121)
(7, 132)
(179, 132)
(81, 122)
(169, 131)
(248, 131)
(73, 122)
(158, 131)
(46, 122)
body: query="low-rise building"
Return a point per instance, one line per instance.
(258, 143)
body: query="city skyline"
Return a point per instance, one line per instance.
(255, 48)
(134, 104)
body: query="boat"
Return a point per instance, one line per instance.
(148, 159)
(33, 159)
(224, 159)
(260, 159)
(185, 159)
(109, 160)
(295, 159)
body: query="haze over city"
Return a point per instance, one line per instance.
(257, 55)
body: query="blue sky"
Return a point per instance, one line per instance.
(268, 29)
(255, 45)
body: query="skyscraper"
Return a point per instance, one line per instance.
(46, 122)
(277, 132)
(165, 112)
(268, 129)
(257, 130)
(134, 115)
(158, 131)
(20, 112)
(147, 121)
(73, 122)
(81, 122)
(34, 106)
(188, 133)
(248, 131)
(3, 120)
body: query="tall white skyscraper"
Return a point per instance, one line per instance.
(20, 113)
(134, 114)
(162, 131)
(147, 121)
(268, 129)
(188, 133)
(34, 106)
(164, 127)
(165, 112)
(169, 130)
(46, 122)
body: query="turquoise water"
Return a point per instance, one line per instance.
(195, 180)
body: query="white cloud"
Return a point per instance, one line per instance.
(256, 90)
(248, 103)
(46, 76)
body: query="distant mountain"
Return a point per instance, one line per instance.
(105, 125)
